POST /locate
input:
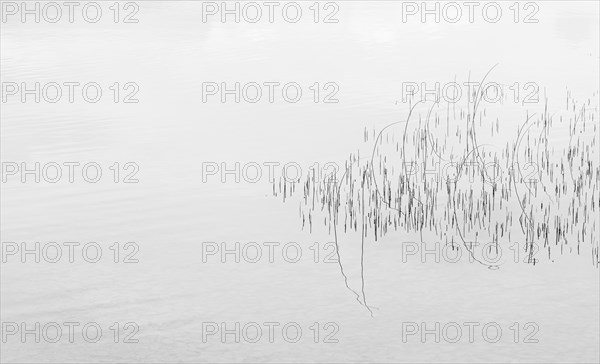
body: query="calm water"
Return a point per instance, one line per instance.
(170, 212)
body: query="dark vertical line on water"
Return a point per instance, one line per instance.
(337, 246)
(362, 249)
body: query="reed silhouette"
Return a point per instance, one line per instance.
(460, 175)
